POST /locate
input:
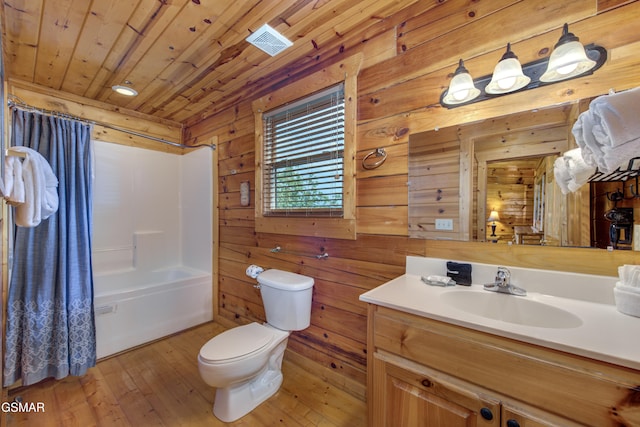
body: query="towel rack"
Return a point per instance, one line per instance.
(278, 249)
(14, 153)
(621, 174)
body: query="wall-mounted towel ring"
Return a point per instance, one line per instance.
(378, 152)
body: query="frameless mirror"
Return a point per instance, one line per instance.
(493, 181)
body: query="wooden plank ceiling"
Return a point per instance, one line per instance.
(186, 58)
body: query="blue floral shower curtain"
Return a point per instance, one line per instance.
(50, 329)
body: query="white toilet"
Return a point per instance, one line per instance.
(244, 363)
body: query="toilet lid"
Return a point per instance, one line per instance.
(237, 342)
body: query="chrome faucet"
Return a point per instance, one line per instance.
(502, 284)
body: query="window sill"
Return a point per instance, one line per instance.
(337, 228)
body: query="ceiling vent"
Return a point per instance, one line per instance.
(269, 40)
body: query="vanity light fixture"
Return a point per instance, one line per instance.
(507, 76)
(461, 89)
(569, 60)
(124, 90)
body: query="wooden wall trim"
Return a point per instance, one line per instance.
(574, 260)
(215, 230)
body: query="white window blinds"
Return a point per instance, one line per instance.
(303, 159)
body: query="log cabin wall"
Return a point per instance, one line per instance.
(408, 61)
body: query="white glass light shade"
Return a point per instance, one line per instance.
(461, 88)
(567, 60)
(493, 216)
(507, 77)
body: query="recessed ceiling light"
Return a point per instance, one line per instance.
(125, 90)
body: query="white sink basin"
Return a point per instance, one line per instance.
(510, 308)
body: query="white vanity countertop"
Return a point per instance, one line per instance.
(605, 334)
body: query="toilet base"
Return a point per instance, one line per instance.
(237, 400)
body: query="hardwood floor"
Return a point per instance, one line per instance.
(159, 385)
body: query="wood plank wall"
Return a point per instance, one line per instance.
(434, 188)
(409, 58)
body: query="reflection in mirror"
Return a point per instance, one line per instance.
(515, 193)
(465, 173)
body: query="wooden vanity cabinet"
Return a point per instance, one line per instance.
(423, 372)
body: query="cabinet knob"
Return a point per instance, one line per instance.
(513, 423)
(487, 414)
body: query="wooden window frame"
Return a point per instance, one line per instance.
(342, 228)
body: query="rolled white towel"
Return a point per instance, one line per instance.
(607, 158)
(561, 173)
(618, 156)
(579, 170)
(582, 131)
(615, 117)
(571, 171)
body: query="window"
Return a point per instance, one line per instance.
(303, 158)
(305, 154)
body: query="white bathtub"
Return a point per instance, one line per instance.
(134, 307)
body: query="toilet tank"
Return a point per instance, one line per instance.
(287, 299)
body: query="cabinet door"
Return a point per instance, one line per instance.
(411, 399)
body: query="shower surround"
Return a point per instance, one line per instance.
(151, 244)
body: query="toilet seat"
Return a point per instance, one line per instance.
(237, 343)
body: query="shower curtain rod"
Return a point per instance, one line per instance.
(18, 103)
